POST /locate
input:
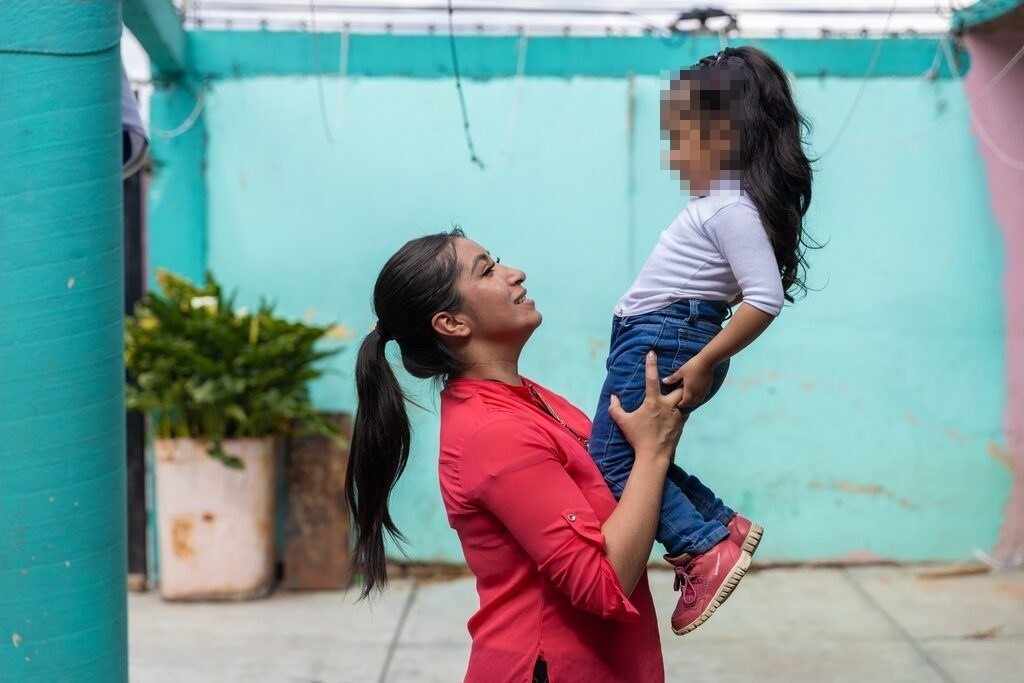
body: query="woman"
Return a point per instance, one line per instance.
(560, 566)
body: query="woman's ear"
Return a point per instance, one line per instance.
(449, 325)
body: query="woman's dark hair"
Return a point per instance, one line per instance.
(747, 87)
(416, 283)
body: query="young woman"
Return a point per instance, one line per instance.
(560, 565)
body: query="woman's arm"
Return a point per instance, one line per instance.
(653, 430)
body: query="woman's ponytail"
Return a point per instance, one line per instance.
(377, 457)
(419, 281)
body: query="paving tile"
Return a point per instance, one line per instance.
(781, 604)
(323, 613)
(439, 613)
(322, 637)
(997, 660)
(429, 664)
(284, 659)
(949, 607)
(791, 661)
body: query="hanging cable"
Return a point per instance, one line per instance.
(999, 76)
(324, 120)
(458, 87)
(185, 125)
(863, 84)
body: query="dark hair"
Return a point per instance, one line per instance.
(747, 86)
(416, 283)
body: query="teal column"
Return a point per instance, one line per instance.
(62, 480)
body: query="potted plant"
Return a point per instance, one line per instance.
(220, 385)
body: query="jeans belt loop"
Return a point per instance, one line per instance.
(694, 311)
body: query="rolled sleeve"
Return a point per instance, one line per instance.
(515, 473)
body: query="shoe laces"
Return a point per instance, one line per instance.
(687, 584)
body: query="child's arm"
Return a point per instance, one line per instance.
(697, 374)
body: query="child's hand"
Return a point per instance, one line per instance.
(696, 377)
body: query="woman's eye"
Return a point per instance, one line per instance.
(490, 268)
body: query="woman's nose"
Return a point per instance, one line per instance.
(516, 276)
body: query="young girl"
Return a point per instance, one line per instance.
(735, 139)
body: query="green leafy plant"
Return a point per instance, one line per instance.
(203, 369)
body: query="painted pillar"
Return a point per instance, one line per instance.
(1001, 143)
(62, 479)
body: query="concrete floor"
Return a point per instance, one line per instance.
(879, 624)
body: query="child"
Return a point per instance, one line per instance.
(735, 139)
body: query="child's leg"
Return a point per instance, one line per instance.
(710, 506)
(682, 528)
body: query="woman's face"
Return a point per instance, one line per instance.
(494, 302)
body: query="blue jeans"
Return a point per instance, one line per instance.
(692, 517)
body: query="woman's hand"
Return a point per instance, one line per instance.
(696, 377)
(654, 428)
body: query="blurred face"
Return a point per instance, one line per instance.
(495, 305)
(699, 143)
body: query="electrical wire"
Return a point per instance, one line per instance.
(185, 125)
(458, 87)
(325, 122)
(975, 121)
(863, 84)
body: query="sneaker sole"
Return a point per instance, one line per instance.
(728, 586)
(753, 538)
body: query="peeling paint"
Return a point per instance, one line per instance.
(1001, 454)
(865, 490)
(955, 435)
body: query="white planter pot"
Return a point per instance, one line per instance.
(215, 524)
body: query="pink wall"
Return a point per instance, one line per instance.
(1000, 113)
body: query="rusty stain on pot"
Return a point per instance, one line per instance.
(181, 537)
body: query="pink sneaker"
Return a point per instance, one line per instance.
(745, 533)
(705, 581)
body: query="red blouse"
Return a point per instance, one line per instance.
(528, 504)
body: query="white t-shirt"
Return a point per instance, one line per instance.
(714, 250)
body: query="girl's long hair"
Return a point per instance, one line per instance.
(419, 281)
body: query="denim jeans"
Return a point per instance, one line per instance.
(692, 517)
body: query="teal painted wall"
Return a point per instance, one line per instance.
(860, 425)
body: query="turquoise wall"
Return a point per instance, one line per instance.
(861, 425)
